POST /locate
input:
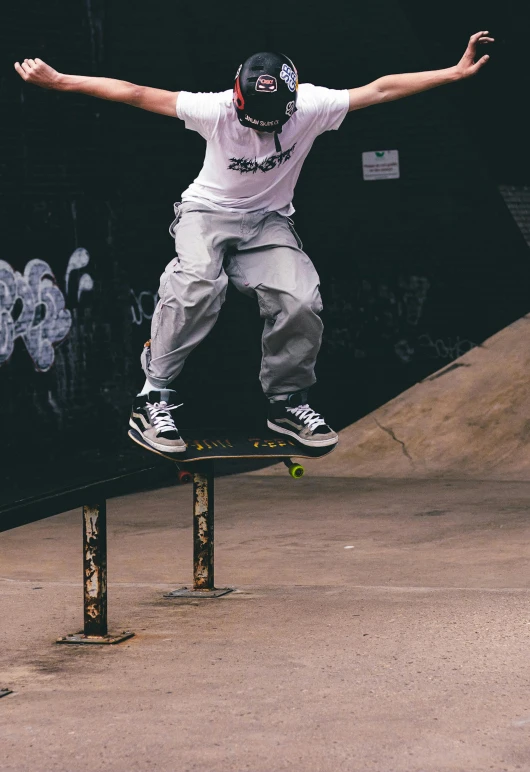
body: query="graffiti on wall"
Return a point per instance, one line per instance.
(33, 308)
(383, 313)
(450, 348)
(143, 305)
(79, 259)
(380, 312)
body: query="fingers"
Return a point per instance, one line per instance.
(481, 62)
(476, 66)
(25, 68)
(474, 38)
(28, 67)
(468, 62)
(480, 37)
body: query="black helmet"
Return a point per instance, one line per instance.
(265, 91)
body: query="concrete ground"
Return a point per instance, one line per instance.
(377, 625)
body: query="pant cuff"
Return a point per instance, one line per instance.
(282, 393)
(145, 360)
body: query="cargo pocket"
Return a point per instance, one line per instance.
(295, 234)
(178, 213)
(244, 279)
(171, 268)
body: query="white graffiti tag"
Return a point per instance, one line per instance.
(32, 307)
(143, 305)
(79, 259)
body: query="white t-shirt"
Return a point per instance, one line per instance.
(242, 169)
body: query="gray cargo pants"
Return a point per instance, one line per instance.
(262, 256)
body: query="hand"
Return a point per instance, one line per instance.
(38, 72)
(467, 65)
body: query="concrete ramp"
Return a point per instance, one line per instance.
(469, 420)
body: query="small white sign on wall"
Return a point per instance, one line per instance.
(381, 165)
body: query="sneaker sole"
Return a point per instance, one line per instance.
(155, 445)
(313, 444)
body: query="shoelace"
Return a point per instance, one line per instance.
(308, 416)
(160, 415)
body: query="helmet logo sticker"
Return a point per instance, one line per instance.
(289, 76)
(266, 83)
(290, 108)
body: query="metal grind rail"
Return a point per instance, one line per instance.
(93, 497)
(95, 629)
(93, 500)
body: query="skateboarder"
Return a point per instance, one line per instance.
(233, 223)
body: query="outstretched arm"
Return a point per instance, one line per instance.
(392, 87)
(153, 99)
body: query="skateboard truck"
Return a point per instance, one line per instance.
(295, 470)
(184, 476)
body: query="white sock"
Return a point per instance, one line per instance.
(148, 386)
(278, 397)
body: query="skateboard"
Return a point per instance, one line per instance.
(211, 444)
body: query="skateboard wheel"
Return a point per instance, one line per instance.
(296, 471)
(184, 477)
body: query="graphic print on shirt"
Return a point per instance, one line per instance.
(246, 165)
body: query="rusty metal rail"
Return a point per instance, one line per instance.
(203, 537)
(95, 580)
(203, 530)
(95, 628)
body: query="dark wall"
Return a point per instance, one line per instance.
(414, 271)
(494, 111)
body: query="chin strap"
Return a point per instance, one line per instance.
(277, 142)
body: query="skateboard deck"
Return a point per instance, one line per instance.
(227, 443)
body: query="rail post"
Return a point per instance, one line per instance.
(203, 537)
(203, 528)
(95, 580)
